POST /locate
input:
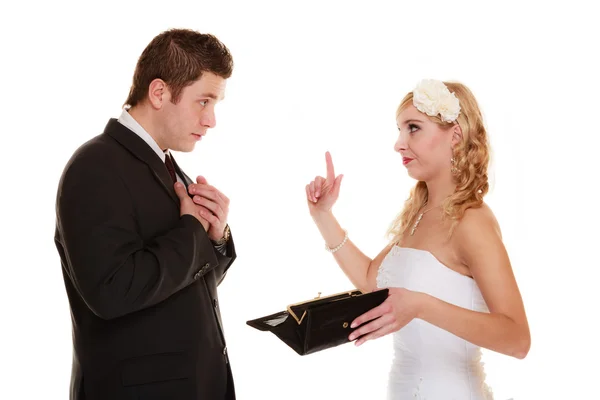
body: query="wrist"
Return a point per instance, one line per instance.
(423, 305)
(223, 238)
(319, 215)
(339, 245)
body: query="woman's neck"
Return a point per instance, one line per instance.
(439, 191)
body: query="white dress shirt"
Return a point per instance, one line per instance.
(129, 122)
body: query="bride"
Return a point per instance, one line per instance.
(451, 285)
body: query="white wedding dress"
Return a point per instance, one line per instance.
(431, 363)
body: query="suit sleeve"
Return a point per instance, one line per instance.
(114, 270)
(225, 257)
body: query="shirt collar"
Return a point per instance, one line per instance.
(129, 122)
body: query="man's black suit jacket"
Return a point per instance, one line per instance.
(141, 279)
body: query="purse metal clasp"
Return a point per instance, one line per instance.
(301, 318)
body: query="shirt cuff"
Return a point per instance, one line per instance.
(221, 248)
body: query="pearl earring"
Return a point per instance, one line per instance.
(453, 169)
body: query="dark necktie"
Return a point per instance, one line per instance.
(170, 167)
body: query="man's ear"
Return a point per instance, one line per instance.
(158, 93)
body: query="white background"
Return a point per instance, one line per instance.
(312, 77)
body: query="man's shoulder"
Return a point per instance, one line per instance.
(100, 150)
(103, 146)
(97, 145)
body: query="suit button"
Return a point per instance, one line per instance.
(215, 303)
(197, 276)
(225, 350)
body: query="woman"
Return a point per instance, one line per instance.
(451, 285)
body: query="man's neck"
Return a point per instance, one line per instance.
(144, 118)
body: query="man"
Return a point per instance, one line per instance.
(142, 256)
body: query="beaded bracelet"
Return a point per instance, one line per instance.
(339, 246)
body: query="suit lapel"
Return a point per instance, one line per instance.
(143, 152)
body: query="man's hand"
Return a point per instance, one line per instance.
(214, 206)
(187, 206)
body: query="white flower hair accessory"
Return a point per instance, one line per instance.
(432, 97)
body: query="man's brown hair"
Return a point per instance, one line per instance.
(178, 57)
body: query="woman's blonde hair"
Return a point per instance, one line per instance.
(471, 157)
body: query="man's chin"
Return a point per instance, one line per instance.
(187, 148)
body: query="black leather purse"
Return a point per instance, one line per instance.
(321, 323)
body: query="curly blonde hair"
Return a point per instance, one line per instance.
(470, 173)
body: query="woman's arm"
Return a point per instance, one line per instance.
(321, 195)
(360, 269)
(504, 329)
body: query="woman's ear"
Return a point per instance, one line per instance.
(457, 135)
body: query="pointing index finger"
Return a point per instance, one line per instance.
(330, 170)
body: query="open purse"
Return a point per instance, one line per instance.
(320, 323)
